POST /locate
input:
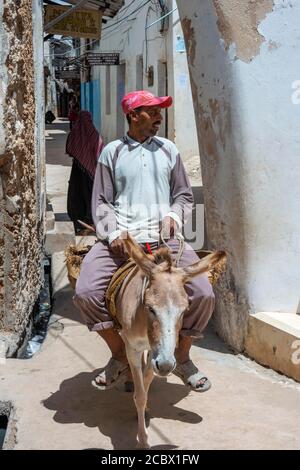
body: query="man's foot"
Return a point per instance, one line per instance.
(192, 377)
(128, 384)
(112, 374)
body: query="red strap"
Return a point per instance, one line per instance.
(148, 248)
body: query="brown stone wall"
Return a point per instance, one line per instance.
(21, 232)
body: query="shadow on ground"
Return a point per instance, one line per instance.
(63, 305)
(56, 136)
(113, 412)
(212, 342)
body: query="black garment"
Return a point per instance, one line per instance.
(49, 117)
(79, 196)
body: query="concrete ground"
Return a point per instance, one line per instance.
(55, 406)
(58, 167)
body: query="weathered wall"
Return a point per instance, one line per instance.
(21, 211)
(185, 131)
(243, 59)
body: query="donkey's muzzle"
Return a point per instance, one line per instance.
(163, 367)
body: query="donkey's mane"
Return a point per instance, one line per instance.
(163, 255)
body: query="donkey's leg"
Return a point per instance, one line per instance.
(140, 395)
(148, 373)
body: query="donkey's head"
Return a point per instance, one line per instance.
(165, 299)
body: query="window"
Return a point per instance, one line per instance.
(150, 76)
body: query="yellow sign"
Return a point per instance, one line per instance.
(79, 24)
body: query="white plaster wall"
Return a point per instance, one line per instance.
(129, 40)
(185, 131)
(271, 175)
(38, 57)
(250, 152)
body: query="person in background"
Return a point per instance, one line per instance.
(73, 110)
(84, 145)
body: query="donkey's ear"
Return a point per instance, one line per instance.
(204, 264)
(137, 254)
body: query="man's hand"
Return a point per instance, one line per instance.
(117, 247)
(168, 227)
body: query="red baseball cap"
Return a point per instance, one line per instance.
(135, 99)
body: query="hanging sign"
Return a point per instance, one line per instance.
(79, 24)
(102, 58)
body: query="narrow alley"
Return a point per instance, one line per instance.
(159, 119)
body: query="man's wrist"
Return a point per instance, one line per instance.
(113, 236)
(176, 218)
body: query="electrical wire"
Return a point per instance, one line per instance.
(108, 34)
(116, 22)
(162, 18)
(124, 18)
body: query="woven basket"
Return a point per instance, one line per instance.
(75, 255)
(217, 270)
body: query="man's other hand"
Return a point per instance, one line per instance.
(117, 247)
(168, 227)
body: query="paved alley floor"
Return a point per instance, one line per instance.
(55, 406)
(56, 136)
(58, 167)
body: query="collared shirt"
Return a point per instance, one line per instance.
(137, 185)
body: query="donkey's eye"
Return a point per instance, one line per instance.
(151, 310)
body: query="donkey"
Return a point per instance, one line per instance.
(151, 317)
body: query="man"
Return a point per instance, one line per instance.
(140, 186)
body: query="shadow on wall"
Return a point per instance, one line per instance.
(214, 98)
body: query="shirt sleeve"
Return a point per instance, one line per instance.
(181, 193)
(103, 198)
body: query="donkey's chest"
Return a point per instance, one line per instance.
(137, 343)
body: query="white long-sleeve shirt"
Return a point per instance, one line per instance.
(138, 184)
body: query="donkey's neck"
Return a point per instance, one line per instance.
(130, 308)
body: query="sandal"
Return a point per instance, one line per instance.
(112, 373)
(191, 376)
(128, 384)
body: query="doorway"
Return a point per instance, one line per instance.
(139, 73)
(162, 90)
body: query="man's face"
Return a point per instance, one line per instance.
(147, 120)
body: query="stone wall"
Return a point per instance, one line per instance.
(21, 210)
